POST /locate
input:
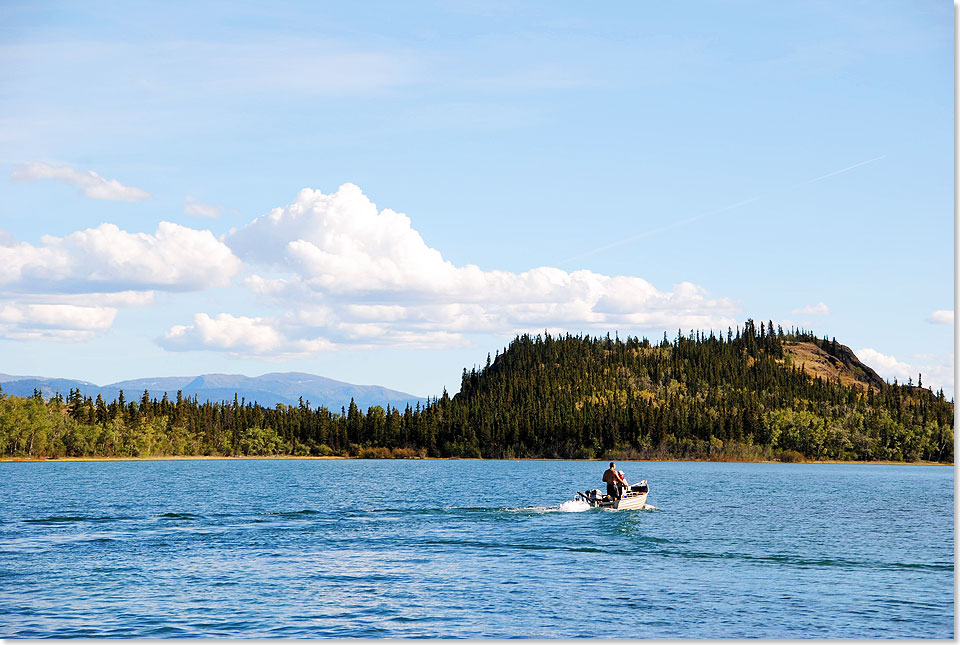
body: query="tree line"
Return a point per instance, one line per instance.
(738, 396)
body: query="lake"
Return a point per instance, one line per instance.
(399, 548)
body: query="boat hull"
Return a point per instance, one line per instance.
(631, 500)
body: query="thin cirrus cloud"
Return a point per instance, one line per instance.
(819, 309)
(343, 273)
(89, 182)
(193, 207)
(201, 71)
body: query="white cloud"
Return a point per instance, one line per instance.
(239, 335)
(48, 288)
(53, 321)
(90, 183)
(112, 299)
(296, 335)
(20, 258)
(120, 298)
(64, 316)
(343, 271)
(818, 309)
(886, 366)
(108, 259)
(936, 370)
(941, 317)
(193, 207)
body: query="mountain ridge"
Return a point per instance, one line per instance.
(267, 389)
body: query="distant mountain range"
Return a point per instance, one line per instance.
(267, 390)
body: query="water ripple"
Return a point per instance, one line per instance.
(271, 549)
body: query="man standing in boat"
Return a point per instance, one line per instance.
(615, 483)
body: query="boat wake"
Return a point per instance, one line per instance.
(574, 506)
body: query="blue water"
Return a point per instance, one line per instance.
(358, 548)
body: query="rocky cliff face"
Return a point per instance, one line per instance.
(863, 371)
(833, 362)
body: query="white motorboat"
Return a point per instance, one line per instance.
(632, 499)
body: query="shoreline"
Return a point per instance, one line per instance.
(317, 457)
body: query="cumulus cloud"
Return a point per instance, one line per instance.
(108, 259)
(64, 316)
(47, 288)
(90, 183)
(818, 309)
(343, 272)
(53, 321)
(885, 365)
(193, 207)
(941, 317)
(240, 335)
(937, 370)
(296, 335)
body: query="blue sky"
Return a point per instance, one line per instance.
(384, 193)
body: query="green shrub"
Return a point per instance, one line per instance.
(791, 457)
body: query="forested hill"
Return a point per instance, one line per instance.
(753, 394)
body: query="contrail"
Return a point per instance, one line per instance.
(837, 172)
(713, 212)
(661, 229)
